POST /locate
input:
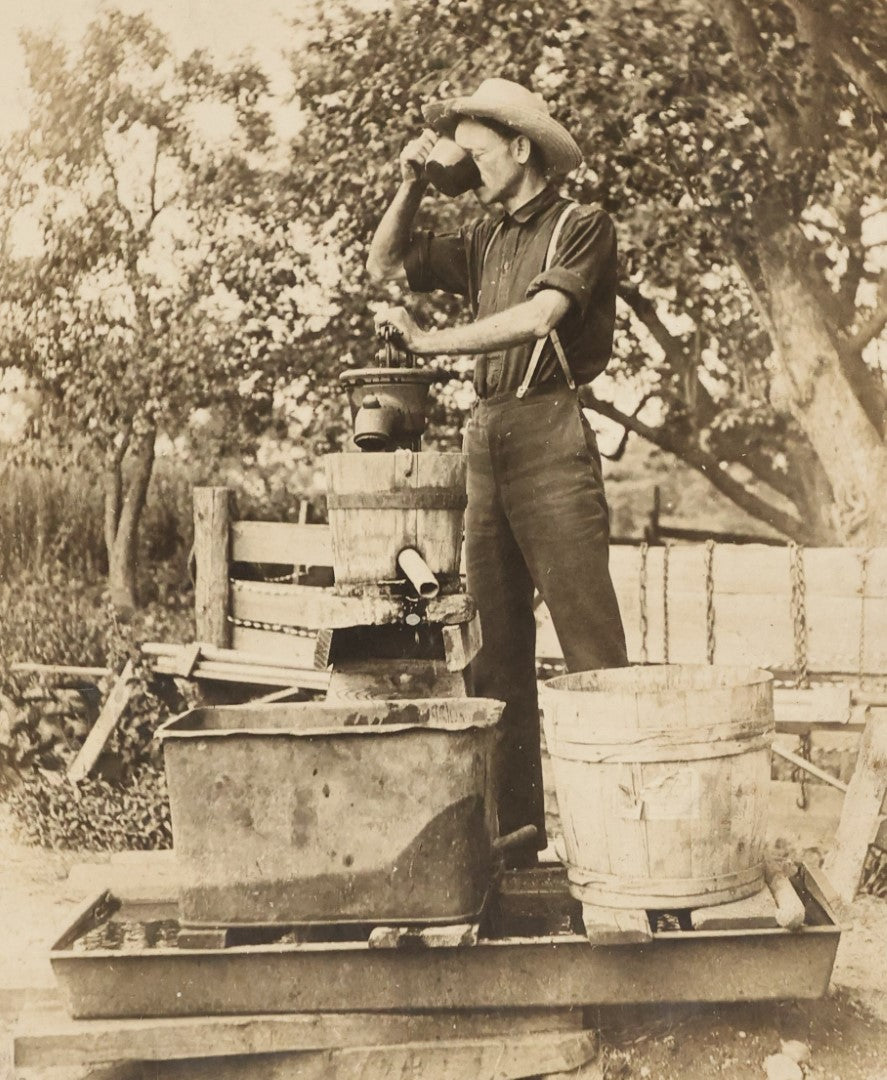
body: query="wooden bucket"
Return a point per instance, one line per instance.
(381, 503)
(662, 776)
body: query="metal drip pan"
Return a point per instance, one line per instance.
(511, 966)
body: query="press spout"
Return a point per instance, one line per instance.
(418, 573)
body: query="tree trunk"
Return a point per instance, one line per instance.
(126, 490)
(813, 386)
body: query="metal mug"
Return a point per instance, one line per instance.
(451, 169)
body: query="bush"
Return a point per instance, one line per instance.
(94, 815)
(50, 617)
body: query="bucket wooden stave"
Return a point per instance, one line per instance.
(381, 503)
(662, 776)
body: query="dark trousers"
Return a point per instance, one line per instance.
(536, 517)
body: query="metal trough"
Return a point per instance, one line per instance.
(322, 813)
(507, 971)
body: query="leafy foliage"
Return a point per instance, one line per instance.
(95, 815)
(52, 617)
(173, 273)
(706, 128)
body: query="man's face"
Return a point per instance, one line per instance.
(500, 171)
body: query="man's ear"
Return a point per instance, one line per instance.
(521, 147)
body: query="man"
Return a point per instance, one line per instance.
(542, 287)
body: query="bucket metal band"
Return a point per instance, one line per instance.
(613, 890)
(656, 751)
(420, 498)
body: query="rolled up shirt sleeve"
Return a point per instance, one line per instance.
(586, 251)
(437, 262)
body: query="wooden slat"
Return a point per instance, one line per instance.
(100, 732)
(298, 651)
(752, 602)
(615, 926)
(256, 675)
(310, 607)
(61, 670)
(808, 766)
(281, 542)
(754, 912)
(461, 644)
(790, 913)
(489, 1058)
(48, 1040)
(861, 812)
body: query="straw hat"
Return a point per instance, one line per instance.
(516, 107)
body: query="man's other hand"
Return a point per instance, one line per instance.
(400, 325)
(414, 155)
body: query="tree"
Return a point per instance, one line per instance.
(738, 145)
(172, 272)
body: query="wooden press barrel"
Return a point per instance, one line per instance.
(381, 503)
(662, 776)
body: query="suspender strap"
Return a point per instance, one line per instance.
(536, 354)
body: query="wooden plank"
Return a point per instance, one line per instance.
(310, 607)
(752, 588)
(287, 694)
(453, 936)
(861, 813)
(827, 705)
(212, 523)
(185, 659)
(53, 1039)
(790, 912)
(755, 912)
(491, 1058)
(193, 937)
(615, 926)
(256, 675)
(210, 654)
(279, 649)
(100, 732)
(808, 766)
(281, 542)
(28, 668)
(462, 643)
(326, 609)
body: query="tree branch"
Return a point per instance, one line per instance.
(739, 25)
(645, 310)
(873, 326)
(854, 61)
(868, 387)
(708, 465)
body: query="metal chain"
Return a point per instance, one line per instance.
(665, 628)
(864, 557)
(800, 775)
(800, 633)
(710, 601)
(642, 600)
(277, 628)
(283, 579)
(799, 614)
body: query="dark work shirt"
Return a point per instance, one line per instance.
(497, 269)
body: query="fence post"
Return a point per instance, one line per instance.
(212, 524)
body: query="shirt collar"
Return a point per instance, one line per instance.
(545, 198)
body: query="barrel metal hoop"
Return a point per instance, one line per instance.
(635, 754)
(421, 498)
(609, 890)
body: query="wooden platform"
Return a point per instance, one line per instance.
(474, 1045)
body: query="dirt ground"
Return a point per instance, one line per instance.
(845, 1032)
